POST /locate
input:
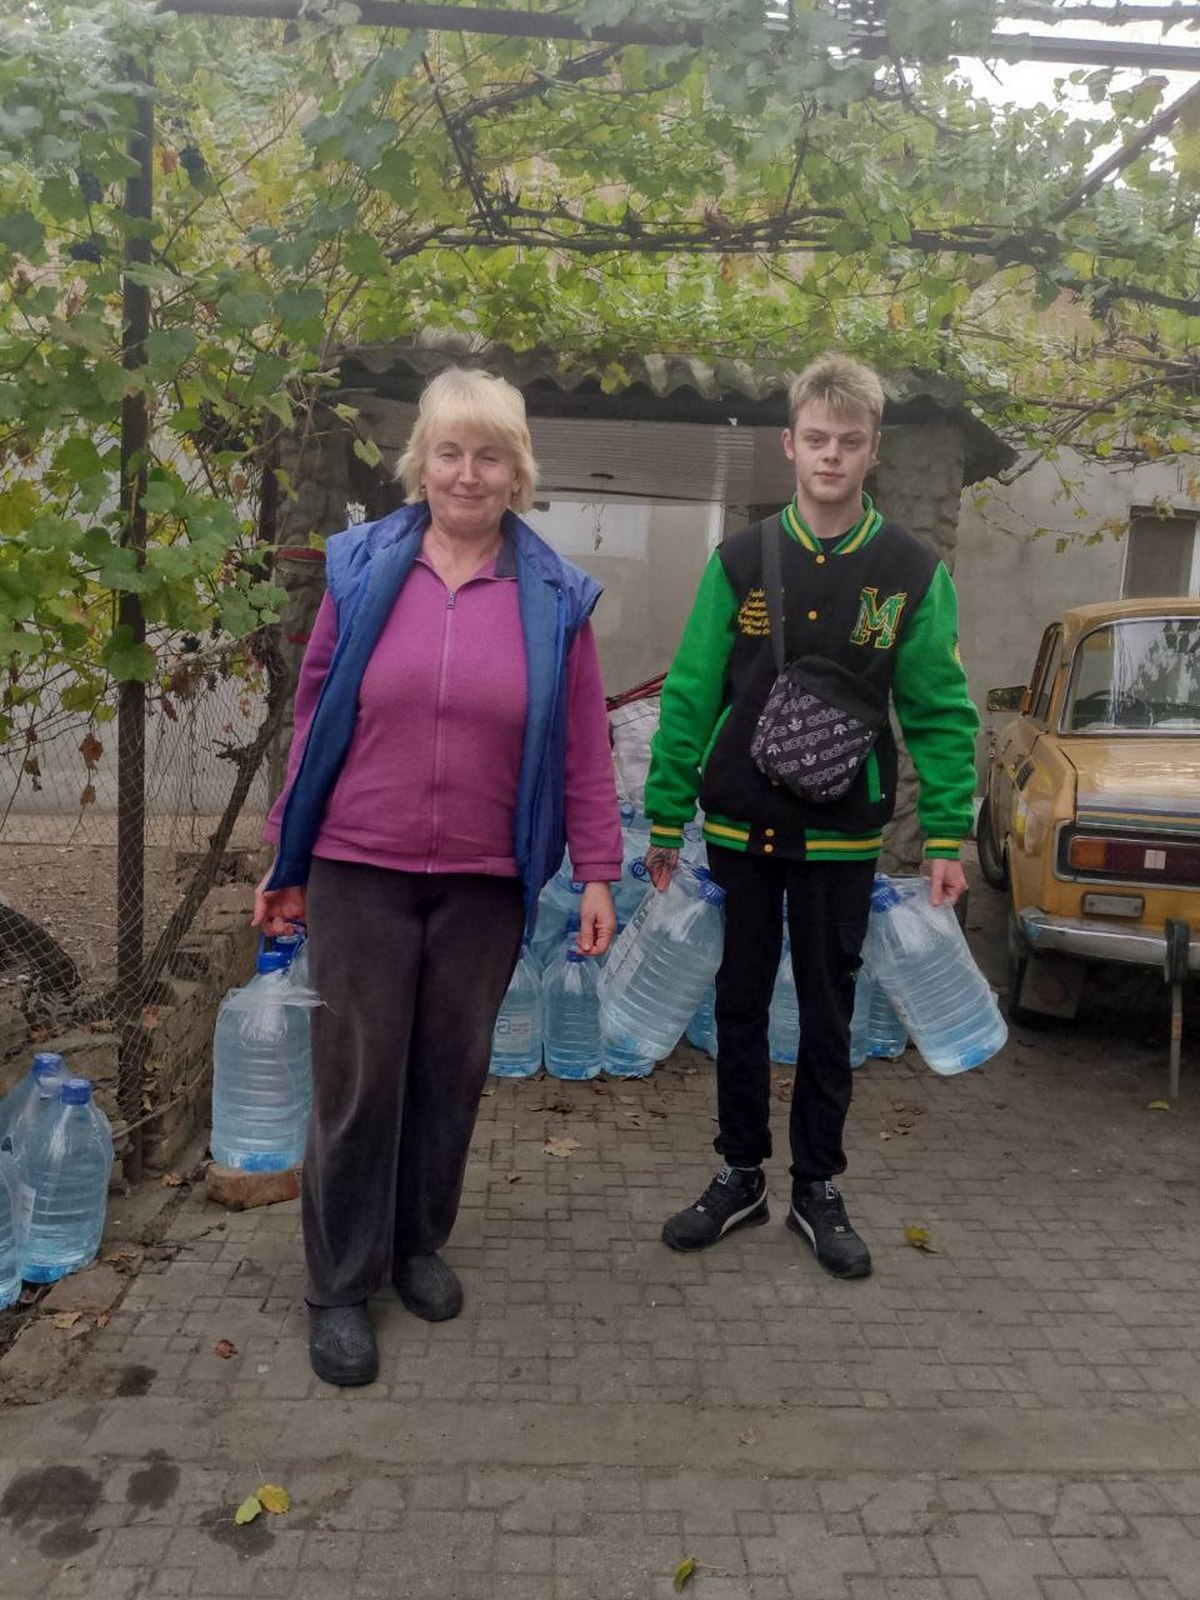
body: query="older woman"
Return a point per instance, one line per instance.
(450, 738)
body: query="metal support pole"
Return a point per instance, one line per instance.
(1175, 970)
(134, 1041)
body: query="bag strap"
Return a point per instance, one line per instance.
(772, 571)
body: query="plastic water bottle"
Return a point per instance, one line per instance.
(662, 964)
(262, 1071)
(701, 1031)
(43, 1080)
(921, 959)
(557, 904)
(517, 1036)
(694, 851)
(875, 1029)
(62, 1174)
(783, 1028)
(10, 1264)
(634, 883)
(572, 1043)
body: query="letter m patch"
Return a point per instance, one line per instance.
(877, 624)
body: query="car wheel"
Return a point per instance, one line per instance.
(992, 862)
(1018, 961)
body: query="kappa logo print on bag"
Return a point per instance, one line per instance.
(820, 719)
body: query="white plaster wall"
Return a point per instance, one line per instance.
(1024, 555)
(649, 559)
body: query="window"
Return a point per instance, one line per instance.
(1162, 555)
(1042, 681)
(1142, 675)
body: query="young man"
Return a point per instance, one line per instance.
(860, 597)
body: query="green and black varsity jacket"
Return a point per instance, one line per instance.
(879, 602)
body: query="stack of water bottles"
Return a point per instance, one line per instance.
(553, 1010)
(56, 1157)
(917, 977)
(262, 1064)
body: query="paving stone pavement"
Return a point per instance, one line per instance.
(1013, 1417)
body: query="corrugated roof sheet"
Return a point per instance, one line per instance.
(656, 388)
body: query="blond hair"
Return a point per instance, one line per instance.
(843, 385)
(464, 397)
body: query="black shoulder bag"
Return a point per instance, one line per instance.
(820, 719)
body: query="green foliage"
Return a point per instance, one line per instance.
(743, 189)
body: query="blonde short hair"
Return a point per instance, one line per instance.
(843, 385)
(465, 397)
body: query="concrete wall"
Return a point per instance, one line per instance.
(1053, 538)
(649, 559)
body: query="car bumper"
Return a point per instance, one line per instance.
(1093, 940)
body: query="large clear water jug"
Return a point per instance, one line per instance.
(10, 1262)
(701, 1030)
(572, 1042)
(262, 1071)
(558, 902)
(920, 957)
(783, 1026)
(875, 1028)
(517, 1036)
(62, 1185)
(43, 1080)
(662, 964)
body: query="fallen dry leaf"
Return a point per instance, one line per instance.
(250, 1508)
(66, 1319)
(274, 1497)
(170, 1180)
(1159, 1105)
(103, 1320)
(921, 1239)
(512, 1177)
(225, 1348)
(561, 1148)
(747, 1436)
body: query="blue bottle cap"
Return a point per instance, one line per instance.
(48, 1064)
(572, 924)
(575, 955)
(884, 894)
(75, 1092)
(271, 961)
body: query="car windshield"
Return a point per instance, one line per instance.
(1141, 676)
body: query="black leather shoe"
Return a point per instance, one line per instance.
(428, 1287)
(341, 1345)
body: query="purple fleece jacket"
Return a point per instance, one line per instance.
(429, 783)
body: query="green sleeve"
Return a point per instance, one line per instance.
(938, 717)
(692, 699)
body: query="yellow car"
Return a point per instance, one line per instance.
(1091, 815)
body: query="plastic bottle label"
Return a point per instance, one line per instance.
(518, 1029)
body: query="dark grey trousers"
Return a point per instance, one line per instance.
(412, 968)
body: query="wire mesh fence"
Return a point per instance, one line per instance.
(65, 904)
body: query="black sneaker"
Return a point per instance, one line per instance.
(736, 1198)
(818, 1214)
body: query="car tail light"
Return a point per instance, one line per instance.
(1085, 854)
(1147, 860)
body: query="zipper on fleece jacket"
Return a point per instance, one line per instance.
(439, 737)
